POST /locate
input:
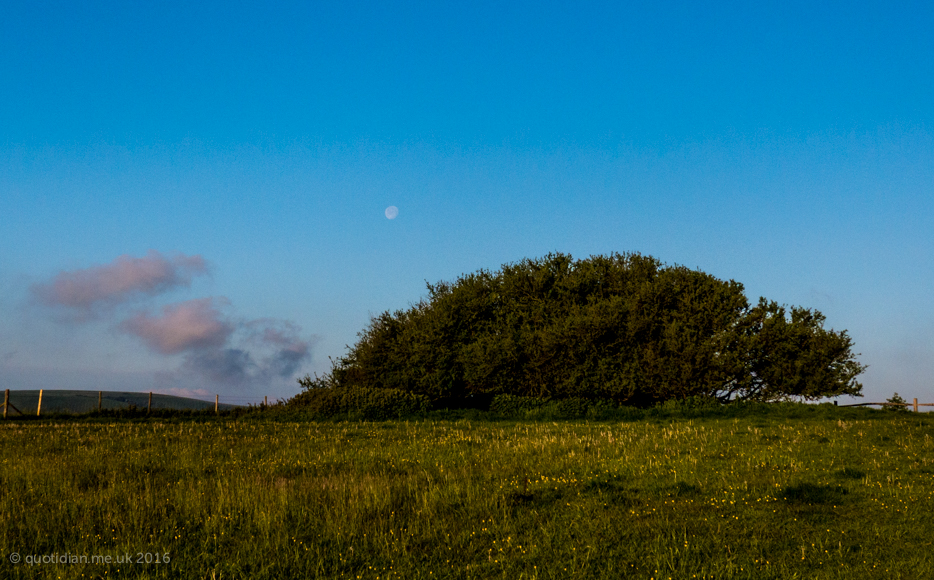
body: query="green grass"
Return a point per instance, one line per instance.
(755, 497)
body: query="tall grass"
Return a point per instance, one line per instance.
(753, 497)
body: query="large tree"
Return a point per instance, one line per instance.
(623, 327)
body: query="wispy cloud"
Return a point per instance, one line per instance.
(223, 365)
(288, 351)
(260, 351)
(217, 349)
(187, 326)
(82, 291)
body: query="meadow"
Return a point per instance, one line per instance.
(830, 496)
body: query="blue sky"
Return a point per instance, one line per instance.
(230, 164)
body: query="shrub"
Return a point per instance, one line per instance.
(514, 405)
(623, 327)
(360, 403)
(898, 404)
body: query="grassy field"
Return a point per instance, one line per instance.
(755, 497)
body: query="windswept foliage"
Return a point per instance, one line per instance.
(623, 327)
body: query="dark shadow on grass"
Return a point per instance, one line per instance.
(683, 489)
(814, 494)
(539, 498)
(612, 489)
(850, 473)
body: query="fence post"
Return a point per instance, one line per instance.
(149, 407)
(100, 397)
(6, 403)
(916, 404)
(265, 400)
(216, 399)
(39, 406)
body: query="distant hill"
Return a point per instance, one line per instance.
(84, 401)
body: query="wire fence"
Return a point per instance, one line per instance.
(52, 401)
(44, 401)
(914, 404)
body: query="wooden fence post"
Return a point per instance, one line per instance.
(217, 398)
(265, 400)
(39, 406)
(100, 397)
(149, 407)
(916, 404)
(7, 404)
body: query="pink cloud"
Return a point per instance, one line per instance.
(217, 348)
(120, 280)
(186, 326)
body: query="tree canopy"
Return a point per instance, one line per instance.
(624, 327)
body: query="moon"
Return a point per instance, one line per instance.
(391, 212)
